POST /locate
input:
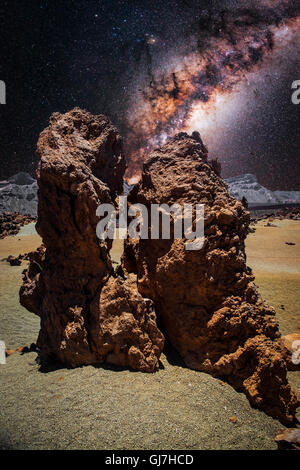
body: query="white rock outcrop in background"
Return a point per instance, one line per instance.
(256, 194)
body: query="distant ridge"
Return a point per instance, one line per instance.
(257, 195)
(19, 193)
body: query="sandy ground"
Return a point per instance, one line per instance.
(110, 408)
(17, 326)
(276, 266)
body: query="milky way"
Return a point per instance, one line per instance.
(187, 89)
(155, 68)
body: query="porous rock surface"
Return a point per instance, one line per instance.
(210, 308)
(11, 223)
(87, 315)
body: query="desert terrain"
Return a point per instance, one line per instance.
(107, 407)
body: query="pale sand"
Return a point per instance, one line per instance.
(17, 325)
(108, 408)
(277, 271)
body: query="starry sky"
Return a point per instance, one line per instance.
(224, 68)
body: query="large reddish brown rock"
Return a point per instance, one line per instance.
(123, 327)
(32, 289)
(81, 166)
(210, 308)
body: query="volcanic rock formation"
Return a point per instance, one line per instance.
(211, 310)
(11, 223)
(207, 301)
(87, 315)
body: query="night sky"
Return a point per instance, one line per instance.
(224, 68)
